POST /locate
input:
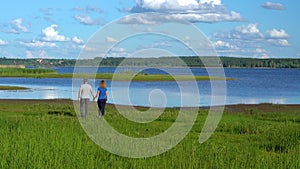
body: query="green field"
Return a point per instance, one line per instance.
(48, 73)
(47, 134)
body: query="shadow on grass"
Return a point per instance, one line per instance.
(61, 113)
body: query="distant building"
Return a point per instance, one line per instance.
(61, 62)
(40, 61)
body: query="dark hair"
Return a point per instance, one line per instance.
(102, 84)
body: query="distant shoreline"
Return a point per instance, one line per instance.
(167, 61)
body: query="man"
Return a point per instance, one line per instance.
(84, 96)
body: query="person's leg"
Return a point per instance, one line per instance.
(99, 107)
(86, 107)
(103, 103)
(81, 108)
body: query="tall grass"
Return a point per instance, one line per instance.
(48, 135)
(20, 71)
(48, 73)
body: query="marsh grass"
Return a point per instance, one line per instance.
(38, 134)
(124, 76)
(12, 88)
(20, 71)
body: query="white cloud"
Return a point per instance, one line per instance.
(77, 40)
(279, 42)
(248, 29)
(84, 19)
(273, 6)
(167, 4)
(51, 34)
(278, 34)
(117, 52)
(215, 2)
(17, 27)
(111, 40)
(2, 42)
(87, 20)
(208, 11)
(38, 44)
(155, 18)
(222, 44)
(244, 32)
(118, 49)
(260, 50)
(249, 40)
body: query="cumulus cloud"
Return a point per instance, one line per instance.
(273, 6)
(223, 45)
(87, 20)
(77, 40)
(277, 34)
(250, 40)
(51, 34)
(248, 29)
(244, 32)
(111, 40)
(215, 2)
(260, 50)
(155, 18)
(38, 44)
(279, 42)
(2, 42)
(17, 27)
(84, 19)
(158, 11)
(253, 33)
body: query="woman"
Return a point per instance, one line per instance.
(102, 95)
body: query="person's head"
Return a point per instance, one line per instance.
(85, 81)
(102, 84)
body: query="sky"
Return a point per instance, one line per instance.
(60, 29)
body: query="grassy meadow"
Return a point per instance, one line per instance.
(47, 134)
(48, 73)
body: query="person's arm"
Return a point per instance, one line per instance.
(97, 95)
(92, 92)
(79, 93)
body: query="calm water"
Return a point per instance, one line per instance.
(253, 86)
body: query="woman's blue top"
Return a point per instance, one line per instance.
(102, 93)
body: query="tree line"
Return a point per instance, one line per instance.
(191, 61)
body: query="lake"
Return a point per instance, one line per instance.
(279, 86)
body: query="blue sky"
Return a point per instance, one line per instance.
(44, 29)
